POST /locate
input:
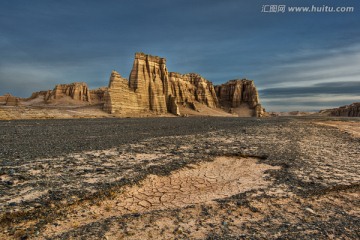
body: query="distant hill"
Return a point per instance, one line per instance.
(352, 110)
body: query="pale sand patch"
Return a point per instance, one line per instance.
(204, 110)
(195, 184)
(27, 194)
(351, 127)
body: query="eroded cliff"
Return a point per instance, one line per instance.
(352, 110)
(191, 87)
(9, 100)
(152, 88)
(240, 97)
(77, 91)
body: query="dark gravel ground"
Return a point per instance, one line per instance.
(56, 161)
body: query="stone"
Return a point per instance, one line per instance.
(192, 87)
(152, 88)
(174, 107)
(240, 94)
(77, 91)
(193, 106)
(149, 79)
(9, 100)
(3, 99)
(352, 110)
(97, 96)
(120, 98)
(310, 211)
(41, 94)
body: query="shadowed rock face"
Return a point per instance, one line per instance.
(352, 110)
(98, 95)
(236, 94)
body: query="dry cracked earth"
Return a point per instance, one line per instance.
(180, 178)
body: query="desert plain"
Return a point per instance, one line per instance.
(180, 178)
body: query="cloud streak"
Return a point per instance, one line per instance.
(43, 43)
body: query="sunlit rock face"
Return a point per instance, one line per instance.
(151, 88)
(9, 100)
(240, 95)
(77, 91)
(192, 87)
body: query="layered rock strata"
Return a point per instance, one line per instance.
(3, 99)
(352, 110)
(120, 98)
(239, 93)
(149, 80)
(192, 87)
(77, 91)
(97, 96)
(152, 88)
(9, 100)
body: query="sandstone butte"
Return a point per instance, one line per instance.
(151, 88)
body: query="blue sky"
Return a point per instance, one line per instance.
(299, 61)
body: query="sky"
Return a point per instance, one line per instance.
(298, 61)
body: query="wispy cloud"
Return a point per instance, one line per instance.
(312, 80)
(309, 103)
(349, 88)
(22, 79)
(309, 67)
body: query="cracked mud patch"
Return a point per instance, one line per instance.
(110, 179)
(197, 183)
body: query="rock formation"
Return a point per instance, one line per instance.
(9, 100)
(120, 97)
(3, 99)
(77, 91)
(239, 94)
(97, 96)
(149, 80)
(192, 87)
(41, 94)
(152, 88)
(352, 110)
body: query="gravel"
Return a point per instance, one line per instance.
(47, 166)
